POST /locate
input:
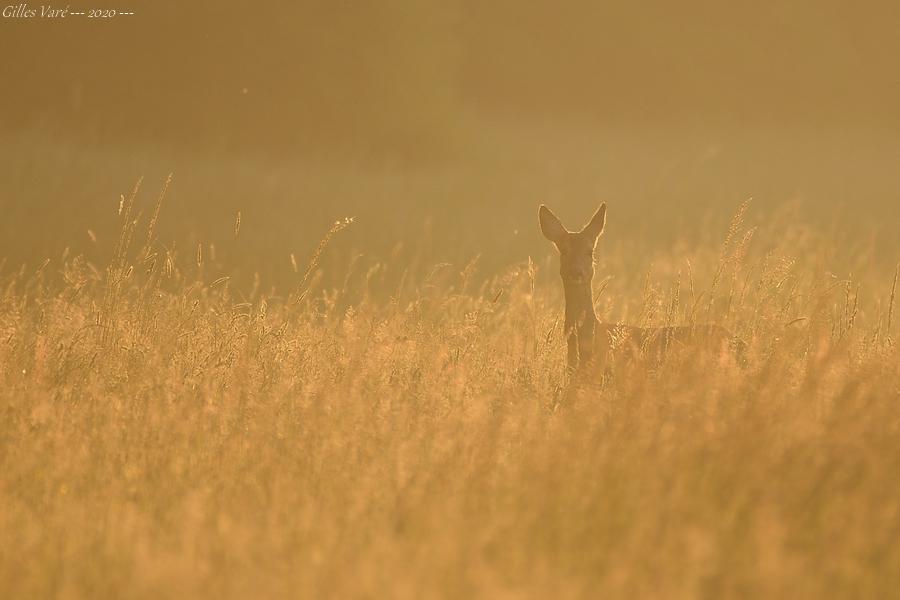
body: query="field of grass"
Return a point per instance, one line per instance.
(167, 432)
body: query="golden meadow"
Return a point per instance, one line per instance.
(324, 357)
(394, 425)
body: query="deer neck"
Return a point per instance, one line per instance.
(581, 321)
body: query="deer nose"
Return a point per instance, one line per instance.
(576, 275)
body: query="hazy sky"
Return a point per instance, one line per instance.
(406, 74)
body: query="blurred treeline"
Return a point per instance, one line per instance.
(401, 77)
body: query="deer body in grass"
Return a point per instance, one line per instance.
(591, 342)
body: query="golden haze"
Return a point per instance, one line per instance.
(221, 386)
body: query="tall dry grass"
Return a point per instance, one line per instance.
(164, 435)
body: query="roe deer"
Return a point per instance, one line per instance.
(592, 342)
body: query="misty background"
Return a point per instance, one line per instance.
(442, 125)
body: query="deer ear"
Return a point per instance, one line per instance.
(597, 223)
(551, 227)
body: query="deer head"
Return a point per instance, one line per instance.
(576, 267)
(576, 248)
